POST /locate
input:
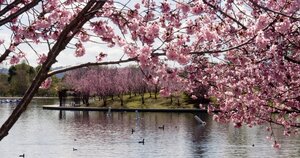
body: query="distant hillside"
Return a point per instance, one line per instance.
(3, 71)
(60, 75)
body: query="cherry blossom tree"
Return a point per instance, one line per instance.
(81, 81)
(247, 52)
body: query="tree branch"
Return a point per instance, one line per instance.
(51, 73)
(4, 55)
(225, 14)
(270, 10)
(19, 12)
(291, 60)
(9, 7)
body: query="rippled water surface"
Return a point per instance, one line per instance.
(52, 134)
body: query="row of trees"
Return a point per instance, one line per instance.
(105, 82)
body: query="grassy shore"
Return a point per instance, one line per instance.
(150, 102)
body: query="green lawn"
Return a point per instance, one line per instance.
(150, 102)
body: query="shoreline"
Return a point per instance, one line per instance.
(68, 108)
(33, 97)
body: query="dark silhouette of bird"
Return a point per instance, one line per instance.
(74, 149)
(75, 139)
(142, 142)
(23, 155)
(162, 127)
(253, 145)
(132, 130)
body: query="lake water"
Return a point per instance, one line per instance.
(52, 134)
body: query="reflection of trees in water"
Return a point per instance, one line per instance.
(62, 115)
(85, 117)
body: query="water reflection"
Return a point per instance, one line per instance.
(54, 134)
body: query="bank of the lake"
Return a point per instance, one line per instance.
(108, 109)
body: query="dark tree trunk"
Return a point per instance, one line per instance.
(143, 98)
(112, 97)
(121, 99)
(155, 92)
(122, 102)
(104, 101)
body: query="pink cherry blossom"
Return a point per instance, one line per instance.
(14, 60)
(100, 56)
(80, 50)
(46, 84)
(41, 58)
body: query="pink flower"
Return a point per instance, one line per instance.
(283, 27)
(276, 145)
(165, 92)
(165, 7)
(46, 84)
(41, 24)
(14, 60)
(83, 36)
(42, 58)
(194, 97)
(171, 53)
(237, 125)
(1, 41)
(261, 41)
(261, 22)
(197, 9)
(183, 7)
(21, 54)
(80, 50)
(101, 56)
(209, 35)
(183, 59)
(137, 6)
(130, 50)
(134, 24)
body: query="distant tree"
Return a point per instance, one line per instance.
(20, 78)
(120, 83)
(4, 86)
(80, 82)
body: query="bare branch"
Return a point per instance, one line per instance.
(51, 73)
(9, 7)
(4, 55)
(291, 60)
(270, 10)
(19, 12)
(225, 14)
